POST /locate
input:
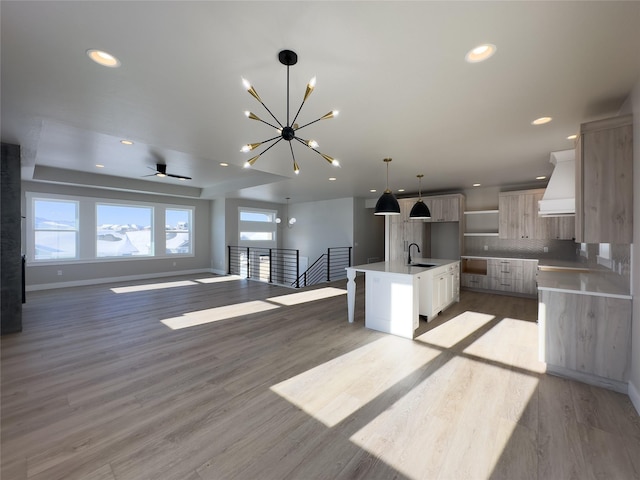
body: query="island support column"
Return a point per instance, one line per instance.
(351, 293)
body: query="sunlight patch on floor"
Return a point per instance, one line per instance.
(308, 296)
(520, 333)
(334, 390)
(152, 286)
(226, 278)
(456, 329)
(450, 425)
(216, 314)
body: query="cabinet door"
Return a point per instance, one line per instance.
(529, 272)
(586, 333)
(562, 228)
(607, 186)
(509, 216)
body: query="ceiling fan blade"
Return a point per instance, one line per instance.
(181, 177)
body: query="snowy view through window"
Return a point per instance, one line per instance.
(121, 230)
(55, 229)
(124, 231)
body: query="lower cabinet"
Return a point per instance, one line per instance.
(505, 275)
(586, 337)
(439, 288)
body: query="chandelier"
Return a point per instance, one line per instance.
(288, 131)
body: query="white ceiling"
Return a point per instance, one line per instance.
(395, 70)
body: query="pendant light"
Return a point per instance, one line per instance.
(387, 203)
(420, 209)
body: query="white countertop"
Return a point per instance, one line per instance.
(399, 267)
(583, 283)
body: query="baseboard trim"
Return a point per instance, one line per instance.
(615, 385)
(634, 395)
(99, 281)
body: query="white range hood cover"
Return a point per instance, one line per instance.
(559, 198)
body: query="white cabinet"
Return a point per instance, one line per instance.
(439, 288)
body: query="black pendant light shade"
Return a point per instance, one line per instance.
(420, 209)
(387, 204)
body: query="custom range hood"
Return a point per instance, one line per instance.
(559, 198)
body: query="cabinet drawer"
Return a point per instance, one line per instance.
(506, 284)
(497, 267)
(474, 281)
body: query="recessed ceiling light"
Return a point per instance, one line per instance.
(103, 58)
(373, 190)
(541, 121)
(126, 142)
(332, 179)
(99, 166)
(480, 53)
(477, 184)
(401, 190)
(572, 137)
(541, 177)
(223, 164)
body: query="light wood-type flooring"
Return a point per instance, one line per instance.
(206, 377)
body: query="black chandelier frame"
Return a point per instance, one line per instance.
(289, 130)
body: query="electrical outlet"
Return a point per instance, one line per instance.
(59, 272)
(546, 249)
(174, 264)
(486, 247)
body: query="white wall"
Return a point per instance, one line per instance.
(87, 272)
(368, 234)
(218, 236)
(634, 382)
(320, 225)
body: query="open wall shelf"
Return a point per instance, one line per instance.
(481, 223)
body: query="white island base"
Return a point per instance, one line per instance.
(397, 294)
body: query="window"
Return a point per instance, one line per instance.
(177, 231)
(257, 227)
(55, 228)
(124, 230)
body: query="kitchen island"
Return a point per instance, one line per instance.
(397, 294)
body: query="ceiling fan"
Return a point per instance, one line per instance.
(161, 171)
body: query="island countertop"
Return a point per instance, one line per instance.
(399, 267)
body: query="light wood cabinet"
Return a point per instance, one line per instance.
(405, 231)
(586, 337)
(518, 218)
(506, 275)
(604, 181)
(562, 228)
(443, 208)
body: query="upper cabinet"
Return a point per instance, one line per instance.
(518, 218)
(604, 181)
(444, 208)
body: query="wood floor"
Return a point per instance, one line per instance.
(193, 378)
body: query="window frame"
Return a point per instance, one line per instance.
(34, 230)
(86, 246)
(257, 226)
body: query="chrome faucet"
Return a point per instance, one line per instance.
(409, 252)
